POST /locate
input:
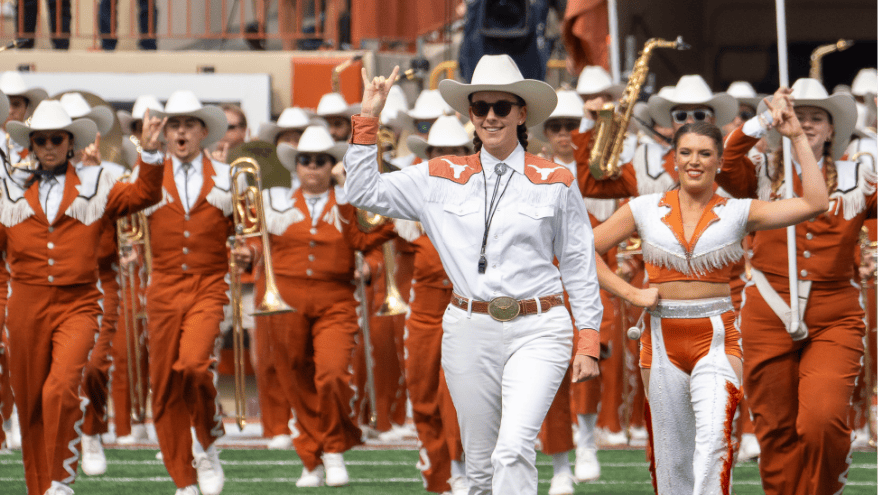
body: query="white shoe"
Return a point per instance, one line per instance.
(336, 472)
(159, 456)
(749, 448)
(312, 479)
(189, 490)
(138, 435)
(562, 484)
(587, 467)
(59, 488)
(639, 434)
(861, 440)
(94, 462)
(210, 472)
(459, 485)
(611, 439)
(280, 442)
(13, 434)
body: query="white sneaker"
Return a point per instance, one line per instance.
(587, 467)
(210, 472)
(94, 462)
(639, 434)
(189, 490)
(611, 439)
(280, 442)
(312, 479)
(59, 488)
(336, 472)
(138, 435)
(459, 485)
(13, 435)
(861, 439)
(562, 484)
(749, 448)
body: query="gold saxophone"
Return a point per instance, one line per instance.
(613, 118)
(820, 52)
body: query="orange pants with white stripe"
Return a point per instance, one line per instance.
(185, 312)
(51, 331)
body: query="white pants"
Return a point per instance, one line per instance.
(691, 417)
(503, 378)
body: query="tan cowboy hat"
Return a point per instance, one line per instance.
(841, 108)
(447, 131)
(50, 116)
(184, 103)
(569, 107)
(77, 108)
(332, 104)
(499, 73)
(594, 80)
(291, 119)
(127, 119)
(744, 93)
(12, 84)
(315, 139)
(692, 90)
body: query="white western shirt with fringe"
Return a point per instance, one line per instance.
(538, 218)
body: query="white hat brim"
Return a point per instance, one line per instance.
(843, 110)
(214, 119)
(4, 107)
(125, 121)
(103, 117)
(287, 154)
(84, 132)
(539, 97)
(724, 106)
(269, 131)
(419, 145)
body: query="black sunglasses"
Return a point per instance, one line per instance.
(56, 140)
(680, 116)
(556, 125)
(501, 108)
(318, 160)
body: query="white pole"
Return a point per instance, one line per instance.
(783, 67)
(614, 41)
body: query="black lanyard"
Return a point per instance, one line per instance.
(499, 169)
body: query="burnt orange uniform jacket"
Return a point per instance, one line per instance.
(313, 346)
(800, 391)
(54, 310)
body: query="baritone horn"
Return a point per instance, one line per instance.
(249, 219)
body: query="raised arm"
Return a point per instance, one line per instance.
(146, 191)
(623, 186)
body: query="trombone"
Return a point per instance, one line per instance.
(249, 218)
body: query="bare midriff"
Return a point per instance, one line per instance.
(691, 289)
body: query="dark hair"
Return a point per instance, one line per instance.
(231, 107)
(521, 129)
(702, 129)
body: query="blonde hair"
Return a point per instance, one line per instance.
(776, 171)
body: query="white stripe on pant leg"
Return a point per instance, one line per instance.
(710, 399)
(673, 422)
(539, 348)
(473, 357)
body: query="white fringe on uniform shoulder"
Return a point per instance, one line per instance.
(166, 200)
(88, 209)
(602, 209)
(278, 222)
(853, 196)
(220, 199)
(408, 229)
(334, 218)
(14, 208)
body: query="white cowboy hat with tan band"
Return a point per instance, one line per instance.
(184, 103)
(692, 90)
(332, 104)
(50, 116)
(499, 73)
(12, 84)
(77, 108)
(447, 132)
(841, 108)
(127, 119)
(291, 119)
(315, 139)
(744, 93)
(595, 80)
(569, 107)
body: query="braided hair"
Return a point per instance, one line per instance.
(777, 171)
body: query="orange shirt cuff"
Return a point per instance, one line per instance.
(589, 343)
(364, 130)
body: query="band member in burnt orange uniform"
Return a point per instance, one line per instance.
(314, 234)
(186, 294)
(800, 380)
(51, 229)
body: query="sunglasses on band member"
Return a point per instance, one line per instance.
(501, 108)
(56, 140)
(318, 160)
(555, 126)
(700, 115)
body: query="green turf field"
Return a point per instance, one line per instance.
(373, 472)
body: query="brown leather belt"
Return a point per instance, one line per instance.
(506, 308)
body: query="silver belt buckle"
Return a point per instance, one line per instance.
(503, 308)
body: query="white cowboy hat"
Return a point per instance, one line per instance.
(50, 116)
(595, 80)
(499, 73)
(315, 139)
(865, 83)
(841, 108)
(4, 107)
(334, 104)
(744, 93)
(395, 105)
(77, 108)
(692, 90)
(447, 131)
(292, 118)
(12, 84)
(126, 119)
(569, 107)
(184, 103)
